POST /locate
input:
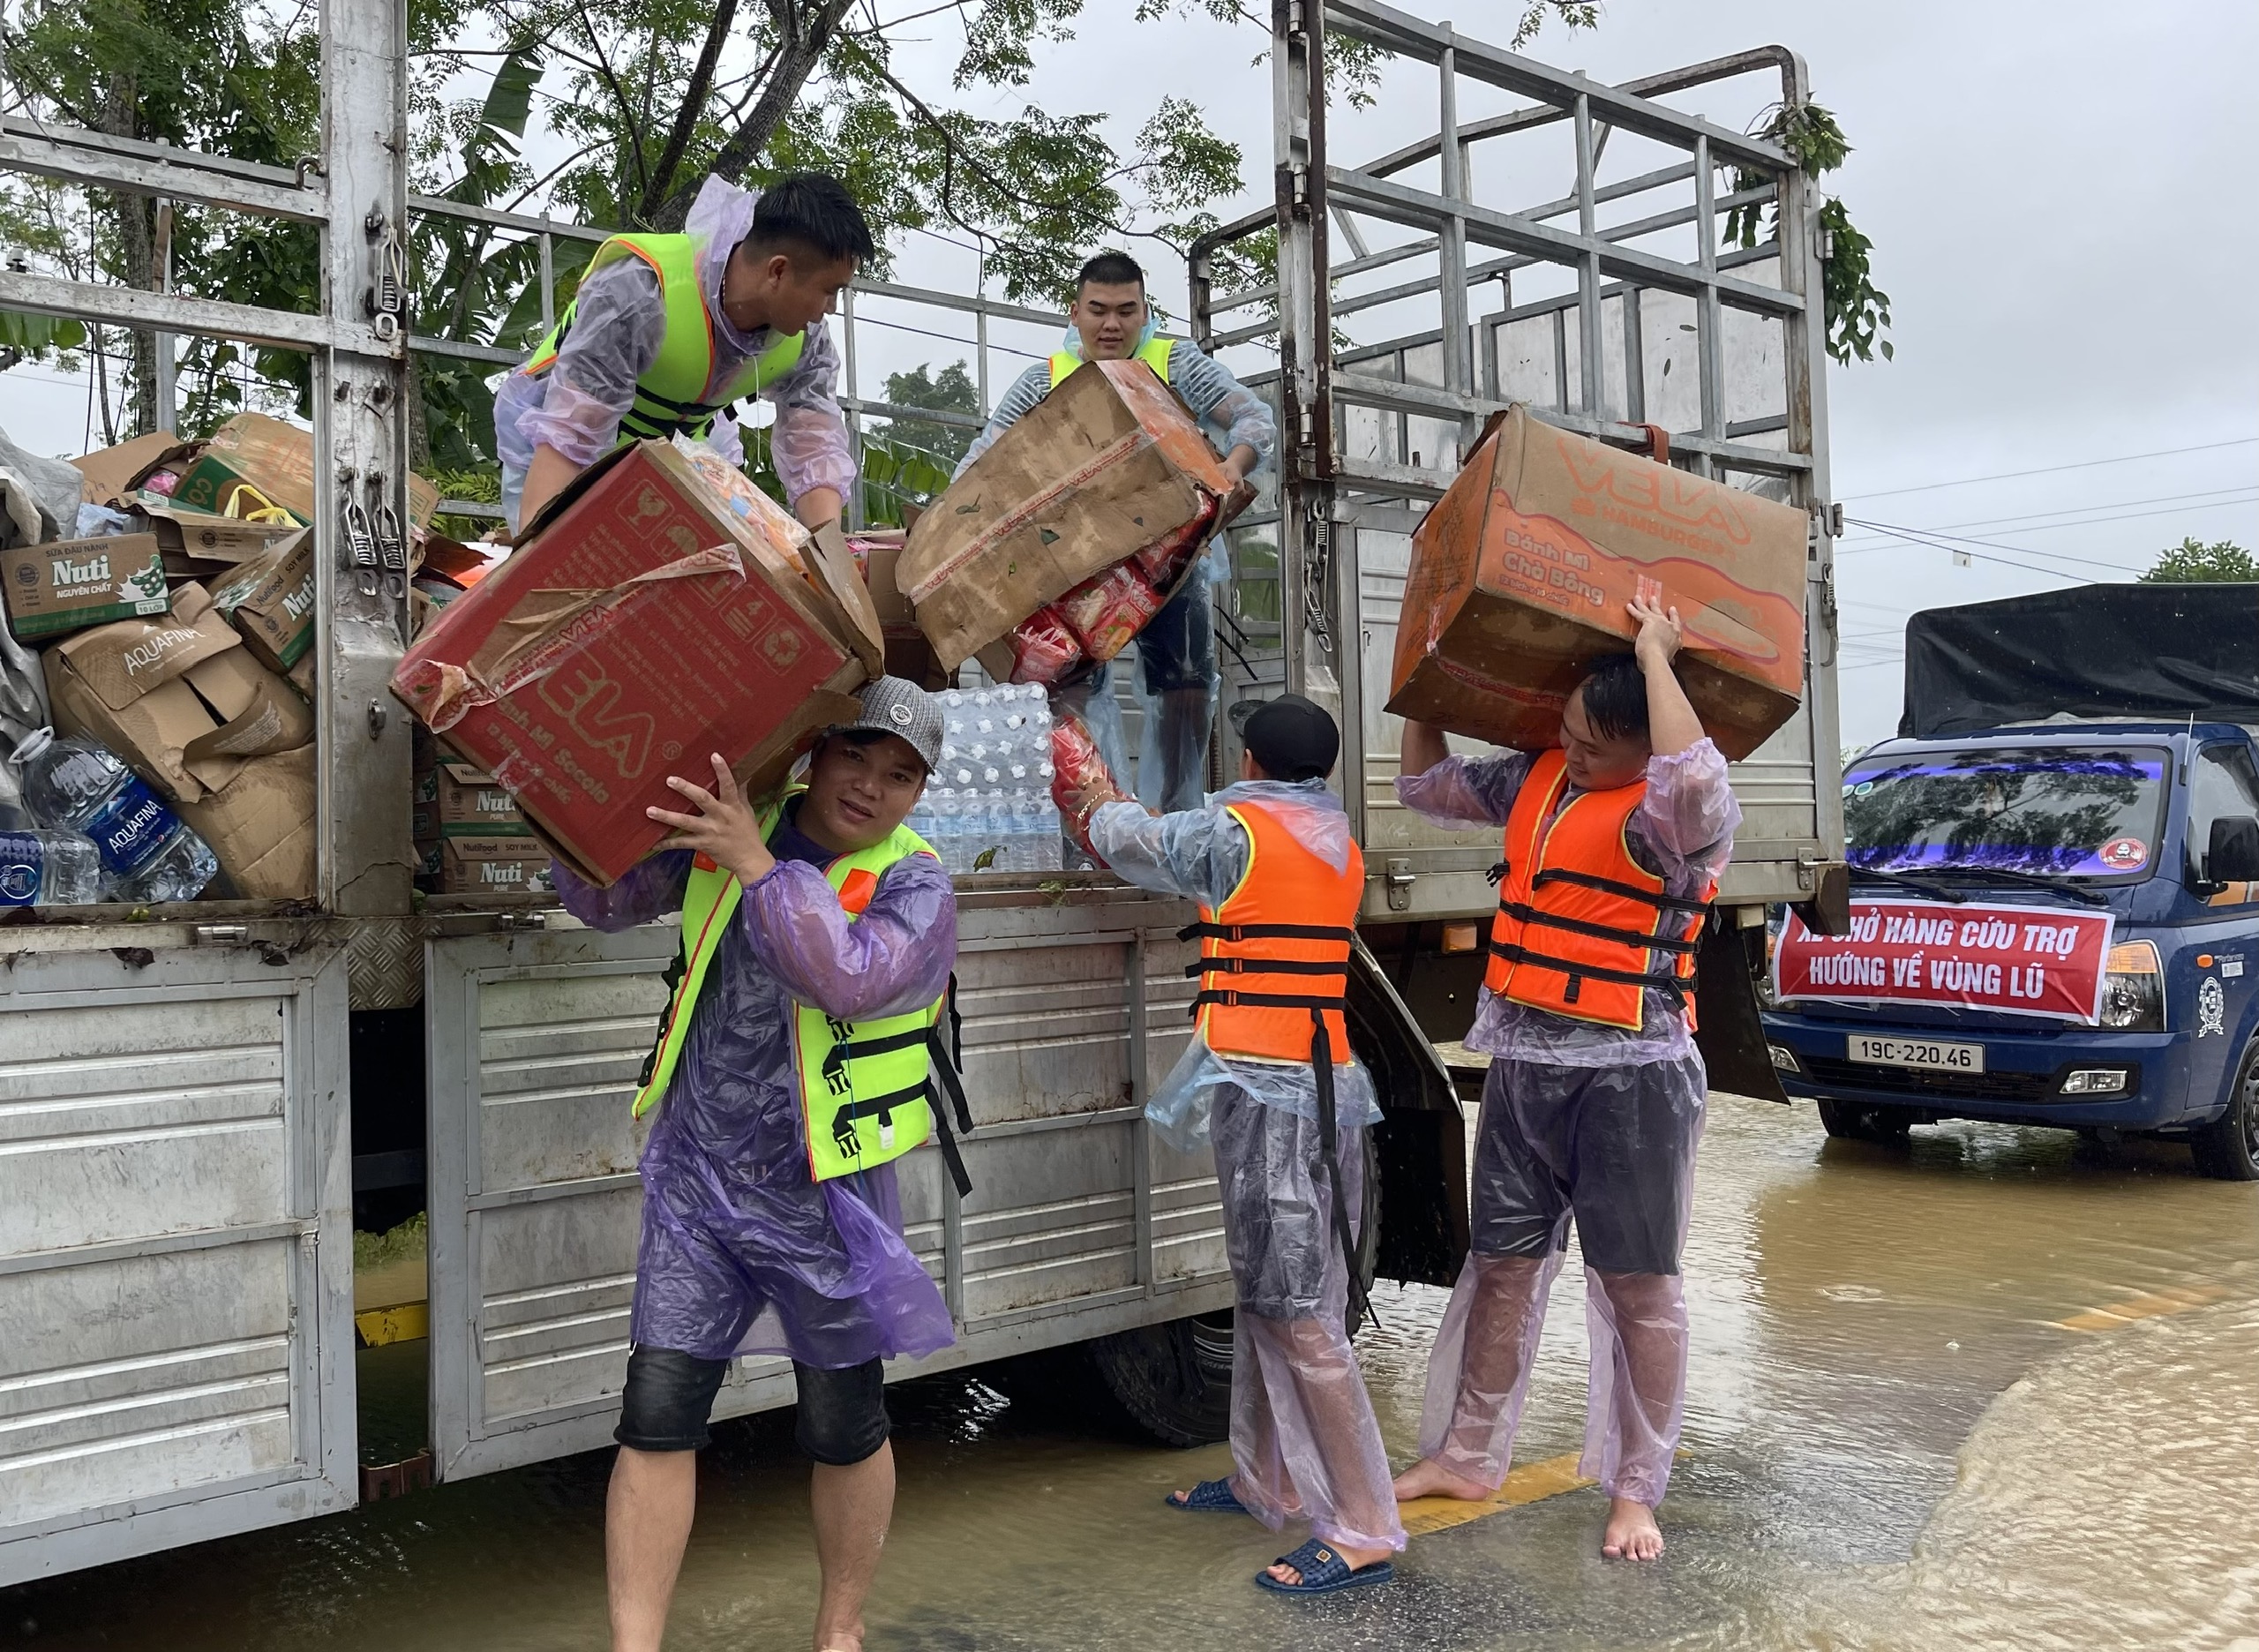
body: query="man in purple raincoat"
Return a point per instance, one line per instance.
(743, 1251)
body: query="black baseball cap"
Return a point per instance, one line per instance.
(1292, 738)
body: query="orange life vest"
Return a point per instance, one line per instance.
(1579, 922)
(1274, 958)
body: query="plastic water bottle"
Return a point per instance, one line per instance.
(1050, 835)
(49, 868)
(939, 806)
(76, 785)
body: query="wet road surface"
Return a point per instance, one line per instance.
(1996, 1389)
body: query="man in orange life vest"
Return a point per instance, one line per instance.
(1614, 843)
(1279, 879)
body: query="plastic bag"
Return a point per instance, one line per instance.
(1080, 780)
(734, 490)
(1106, 612)
(1043, 648)
(1161, 562)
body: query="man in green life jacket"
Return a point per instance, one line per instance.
(1177, 677)
(793, 1068)
(667, 333)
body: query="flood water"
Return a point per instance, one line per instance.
(1894, 1443)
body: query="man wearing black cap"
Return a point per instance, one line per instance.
(1270, 1080)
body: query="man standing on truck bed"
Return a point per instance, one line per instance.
(1279, 879)
(668, 331)
(792, 1061)
(1176, 651)
(1594, 1105)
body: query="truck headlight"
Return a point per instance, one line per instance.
(1785, 1058)
(2133, 989)
(2096, 1081)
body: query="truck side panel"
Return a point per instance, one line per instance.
(176, 1250)
(1079, 1222)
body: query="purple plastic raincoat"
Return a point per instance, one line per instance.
(741, 1251)
(1595, 1123)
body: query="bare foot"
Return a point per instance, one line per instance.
(1633, 1533)
(1429, 1478)
(1358, 1559)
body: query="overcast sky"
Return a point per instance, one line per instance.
(2060, 196)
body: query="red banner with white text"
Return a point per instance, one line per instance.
(2009, 959)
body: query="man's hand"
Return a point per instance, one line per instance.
(725, 829)
(1237, 464)
(1660, 636)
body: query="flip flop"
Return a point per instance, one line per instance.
(1210, 1496)
(1324, 1571)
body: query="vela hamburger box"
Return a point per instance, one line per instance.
(69, 584)
(1521, 571)
(1109, 462)
(642, 624)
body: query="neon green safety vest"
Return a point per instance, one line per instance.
(865, 1087)
(1153, 352)
(669, 397)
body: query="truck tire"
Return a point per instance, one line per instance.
(2227, 1149)
(1861, 1121)
(1174, 1379)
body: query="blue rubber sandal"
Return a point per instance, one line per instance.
(1324, 1571)
(1210, 1496)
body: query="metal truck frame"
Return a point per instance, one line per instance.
(177, 1100)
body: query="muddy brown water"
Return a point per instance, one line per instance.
(1893, 1445)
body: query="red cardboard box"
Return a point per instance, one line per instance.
(643, 626)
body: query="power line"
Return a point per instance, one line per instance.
(2087, 464)
(1912, 537)
(2005, 523)
(2055, 556)
(2093, 521)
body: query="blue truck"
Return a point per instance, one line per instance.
(2090, 751)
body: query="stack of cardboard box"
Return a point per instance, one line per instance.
(471, 837)
(182, 638)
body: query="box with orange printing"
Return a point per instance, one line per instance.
(1521, 571)
(1109, 462)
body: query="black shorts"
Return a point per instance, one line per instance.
(1177, 648)
(1613, 1146)
(842, 1417)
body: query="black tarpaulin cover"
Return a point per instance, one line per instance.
(2094, 650)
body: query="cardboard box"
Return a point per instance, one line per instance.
(261, 826)
(199, 546)
(69, 584)
(270, 601)
(1521, 571)
(1110, 461)
(640, 626)
(112, 473)
(275, 460)
(179, 698)
(492, 866)
(456, 800)
(878, 554)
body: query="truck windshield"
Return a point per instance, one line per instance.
(2086, 812)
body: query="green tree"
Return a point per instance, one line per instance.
(950, 391)
(2192, 561)
(225, 77)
